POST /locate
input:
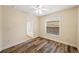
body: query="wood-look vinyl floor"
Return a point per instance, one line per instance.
(41, 45)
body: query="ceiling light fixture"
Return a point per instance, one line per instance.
(38, 9)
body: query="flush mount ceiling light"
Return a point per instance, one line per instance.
(38, 9)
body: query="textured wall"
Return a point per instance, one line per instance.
(68, 24)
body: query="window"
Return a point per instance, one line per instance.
(53, 26)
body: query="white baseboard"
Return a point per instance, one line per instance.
(8, 46)
(60, 41)
(12, 45)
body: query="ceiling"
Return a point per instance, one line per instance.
(50, 8)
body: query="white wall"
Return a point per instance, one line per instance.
(15, 26)
(0, 28)
(68, 26)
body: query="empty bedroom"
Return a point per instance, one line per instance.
(39, 28)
